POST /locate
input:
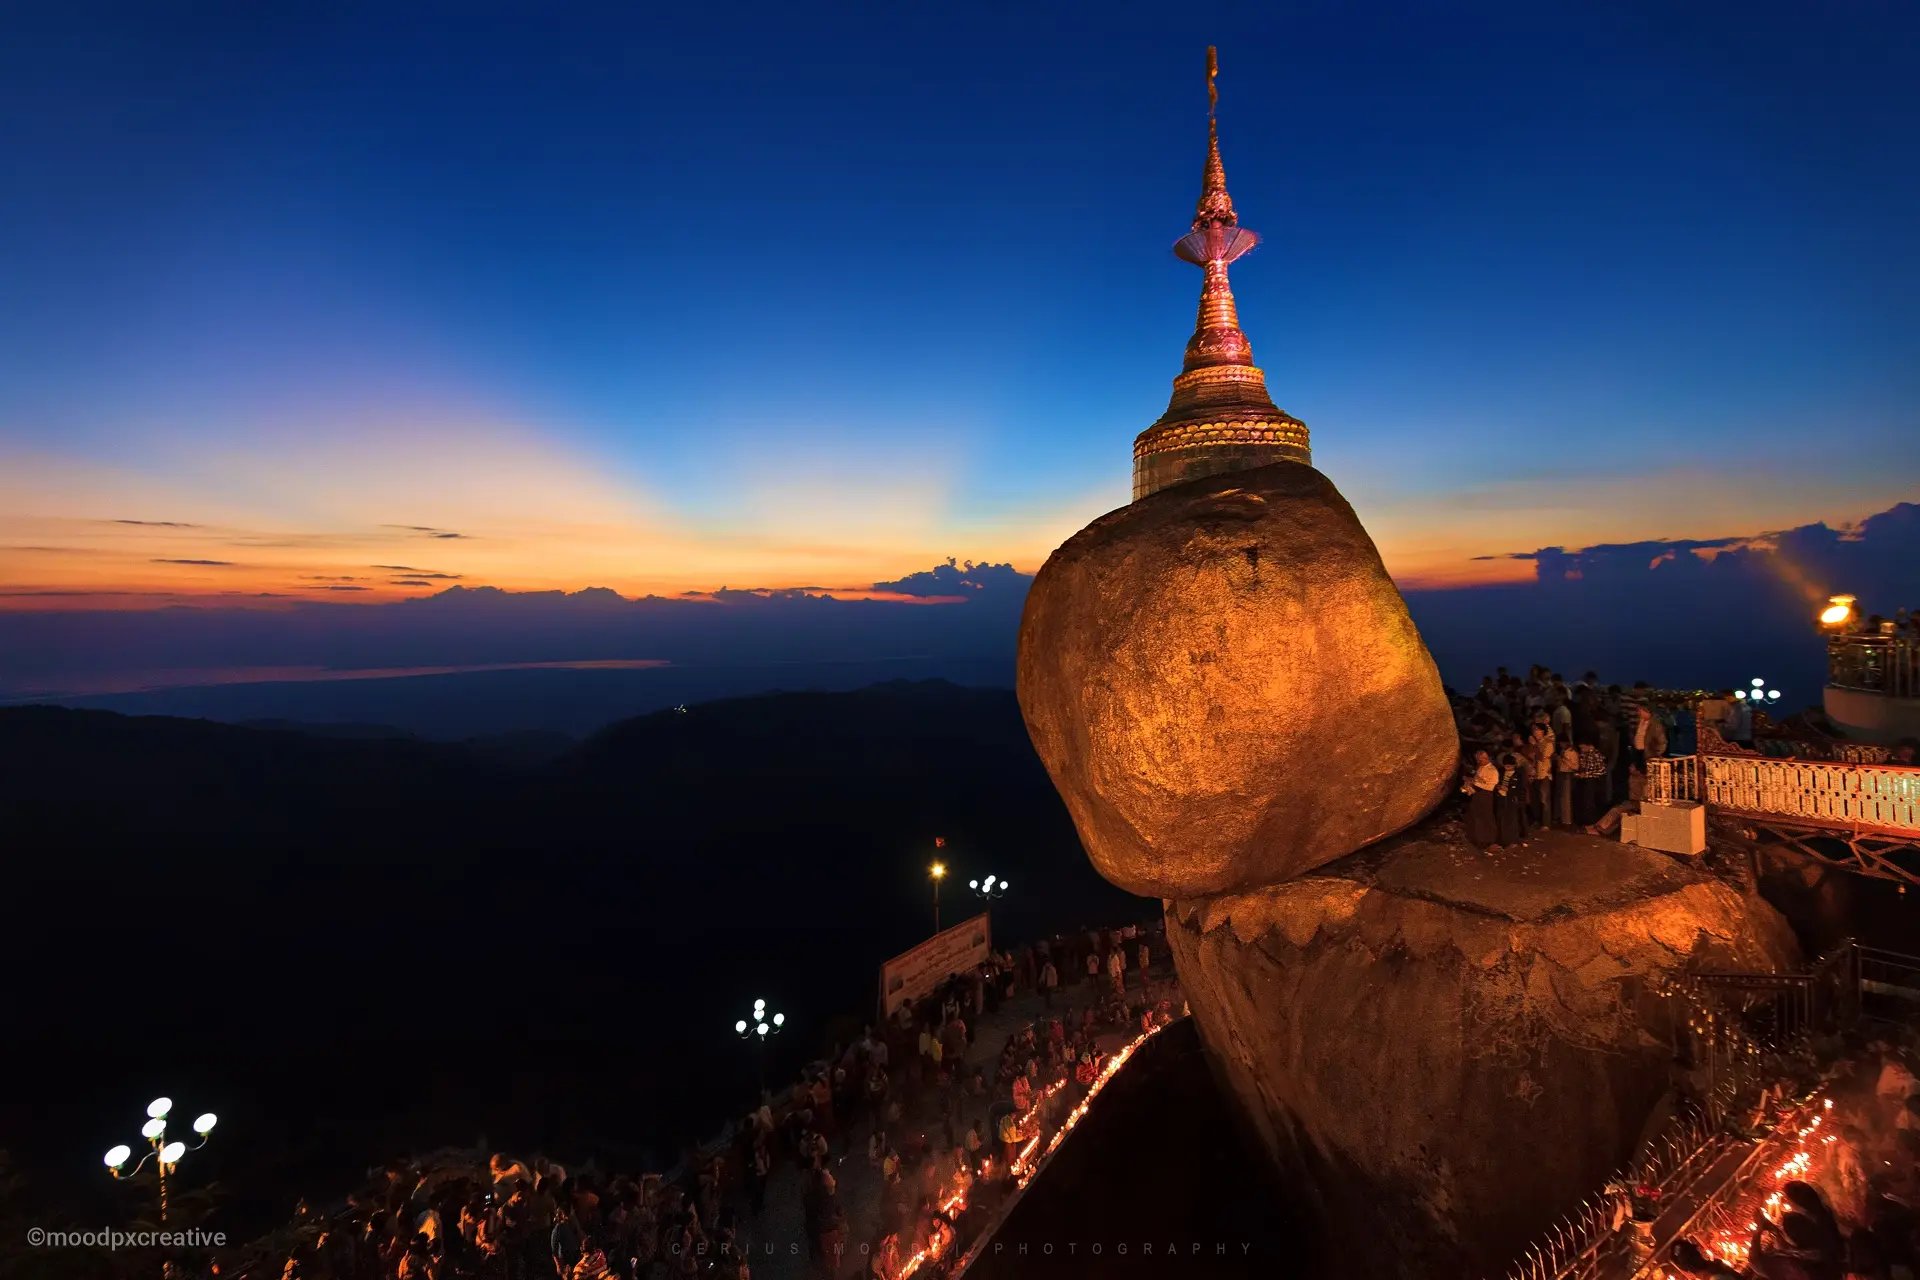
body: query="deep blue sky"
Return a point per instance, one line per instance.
(808, 294)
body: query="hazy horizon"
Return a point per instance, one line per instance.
(469, 661)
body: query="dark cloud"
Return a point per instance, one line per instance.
(161, 524)
(407, 582)
(1694, 612)
(327, 577)
(1559, 561)
(956, 579)
(26, 595)
(417, 573)
(222, 563)
(426, 529)
(337, 586)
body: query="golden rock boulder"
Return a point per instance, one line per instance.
(1226, 687)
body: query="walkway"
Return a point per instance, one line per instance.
(776, 1239)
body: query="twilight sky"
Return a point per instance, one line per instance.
(353, 302)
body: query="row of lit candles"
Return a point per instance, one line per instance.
(1025, 1165)
(1725, 1242)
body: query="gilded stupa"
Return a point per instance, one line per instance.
(1220, 418)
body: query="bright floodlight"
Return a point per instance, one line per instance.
(204, 1125)
(1839, 609)
(779, 1019)
(159, 1107)
(171, 1153)
(153, 1128)
(762, 1028)
(1773, 695)
(741, 1026)
(118, 1156)
(1758, 683)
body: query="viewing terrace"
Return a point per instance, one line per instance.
(1863, 817)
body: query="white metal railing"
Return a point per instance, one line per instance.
(1841, 795)
(1673, 778)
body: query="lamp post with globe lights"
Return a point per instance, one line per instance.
(990, 888)
(1758, 695)
(762, 1026)
(166, 1154)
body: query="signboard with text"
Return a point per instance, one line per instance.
(916, 973)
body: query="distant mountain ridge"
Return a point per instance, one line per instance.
(516, 946)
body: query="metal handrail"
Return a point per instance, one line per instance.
(1574, 1245)
(1847, 796)
(1876, 662)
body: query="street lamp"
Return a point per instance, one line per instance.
(938, 871)
(165, 1154)
(758, 1029)
(990, 888)
(1838, 613)
(1759, 695)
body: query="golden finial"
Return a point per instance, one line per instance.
(1216, 206)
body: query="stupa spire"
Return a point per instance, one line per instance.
(1221, 417)
(1215, 204)
(1217, 238)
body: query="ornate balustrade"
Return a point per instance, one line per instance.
(1850, 795)
(1881, 798)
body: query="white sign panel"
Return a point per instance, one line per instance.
(916, 973)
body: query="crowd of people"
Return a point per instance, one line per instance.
(1853, 1216)
(940, 1129)
(926, 1107)
(1539, 753)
